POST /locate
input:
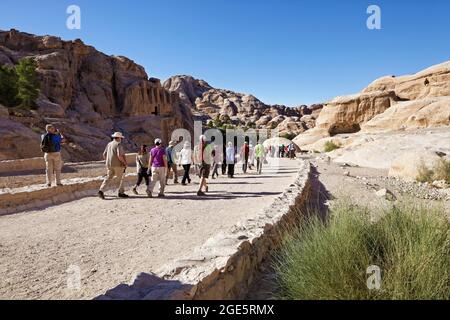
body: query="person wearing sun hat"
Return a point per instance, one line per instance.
(116, 164)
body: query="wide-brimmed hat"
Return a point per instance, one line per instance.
(118, 135)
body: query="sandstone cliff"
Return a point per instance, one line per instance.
(390, 103)
(88, 95)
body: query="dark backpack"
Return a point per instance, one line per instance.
(47, 144)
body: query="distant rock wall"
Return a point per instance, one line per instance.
(240, 109)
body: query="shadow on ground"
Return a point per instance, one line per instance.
(147, 287)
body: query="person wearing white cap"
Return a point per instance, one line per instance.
(116, 164)
(158, 165)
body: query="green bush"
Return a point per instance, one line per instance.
(409, 243)
(331, 146)
(8, 86)
(19, 86)
(27, 83)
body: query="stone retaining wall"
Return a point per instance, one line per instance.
(31, 164)
(37, 197)
(225, 266)
(40, 197)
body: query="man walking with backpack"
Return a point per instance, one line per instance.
(116, 164)
(51, 147)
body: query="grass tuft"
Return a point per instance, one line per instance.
(441, 171)
(331, 146)
(410, 243)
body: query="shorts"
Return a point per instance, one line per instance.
(205, 170)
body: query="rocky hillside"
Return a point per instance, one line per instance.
(88, 95)
(240, 109)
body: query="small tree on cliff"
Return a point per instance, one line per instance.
(8, 86)
(27, 82)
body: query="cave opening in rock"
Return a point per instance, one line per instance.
(344, 128)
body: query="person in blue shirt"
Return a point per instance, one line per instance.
(51, 147)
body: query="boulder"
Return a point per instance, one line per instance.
(379, 150)
(386, 194)
(18, 141)
(50, 109)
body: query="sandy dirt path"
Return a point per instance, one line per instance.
(111, 241)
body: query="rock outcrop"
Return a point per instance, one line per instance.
(422, 113)
(410, 102)
(89, 94)
(188, 88)
(240, 109)
(431, 82)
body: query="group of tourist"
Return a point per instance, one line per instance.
(283, 151)
(156, 165)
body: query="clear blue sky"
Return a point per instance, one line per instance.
(286, 52)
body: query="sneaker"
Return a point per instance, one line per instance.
(200, 194)
(161, 195)
(101, 195)
(135, 191)
(183, 184)
(123, 195)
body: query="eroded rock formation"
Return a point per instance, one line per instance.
(241, 109)
(410, 102)
(88, 95)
